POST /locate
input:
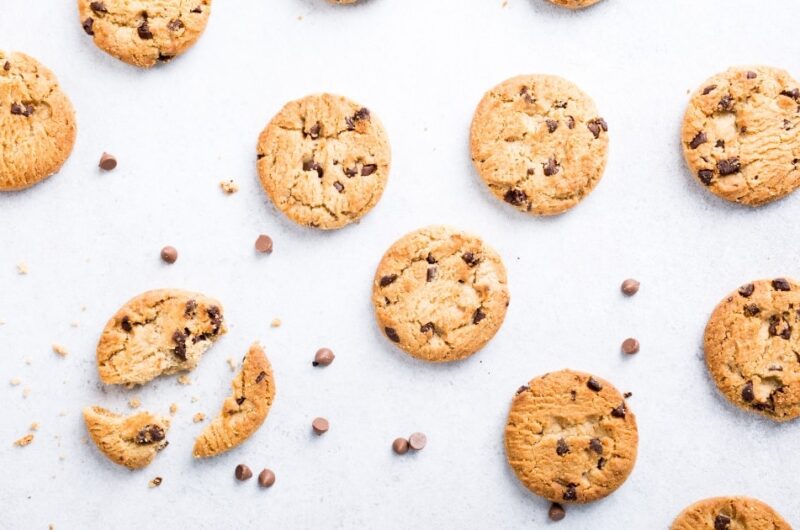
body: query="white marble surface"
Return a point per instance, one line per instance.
(92, 239)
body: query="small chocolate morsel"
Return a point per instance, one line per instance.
(417, 441)
(388, 280)
(722, 522)
(266, 478)
(242, 472)
(594, 384)
(107, 162)
(630, 346)
(561, 447)
(556, 512)
(780, 284)
(323, 357)
(630, 287)
(264, 244)
(169, 254)
(747, 290)
(392, 334)
(320, 426)
(400, 446)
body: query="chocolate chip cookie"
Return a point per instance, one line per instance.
(37, 122)
(729, 513)
(144, 32)
(157, 333)
(741, 134)
(752, 342)
(440, 294)
(243, 412)
(131, 441)
(570, 437)
(539, 143)
(574, 4)
(324, 161)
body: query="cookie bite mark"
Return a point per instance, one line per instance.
(244, 411)
(131, 441)
(158, 333)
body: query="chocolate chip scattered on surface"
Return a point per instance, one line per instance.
(630, 346)
(169, 254)
(266, 478)
(107, 162)
(243, 472)
(630, 287)
(556, 512)
(323, 357)
(400, 446)
(417, 441)
(320, 426)
(264, 244)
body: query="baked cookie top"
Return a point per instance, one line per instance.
(37, 122)
(244, 411)
(570, 437)
(158, 333)
(574, 4)
(751, 344)
(539, 144)
(729, 513)
(144, 32)
(440, 294)
(741, 134)
(324, 160)
(130, 441)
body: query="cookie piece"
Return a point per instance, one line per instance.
(570, 437)
(741, 134)
(243, 412)
(729, 513)
(158, 333)
(130, 441)
(751, 344)
(574, 4)
(324, 161)
(440, 294)
(144, 32)
(37, 122)
(539, 144)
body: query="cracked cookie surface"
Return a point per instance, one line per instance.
(574, 4)
(324, 161)
(752, 348)
(539, 144)
(440, 294)
(741, 134)
(729, 513)
(244, 411)
(158, 333)
(144, 32)
(37, 122)
(130, 441)
(570, 437)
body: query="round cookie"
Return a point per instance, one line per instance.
(570, 437)
(538, 143)
(741, 135)
(729, 513)
(324, 161)
(751, 344)
(37, 122)
(440, 294)
(144, 32)
(574, 4)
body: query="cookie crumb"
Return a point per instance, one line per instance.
(299, 17)
(60, 350)
(26, 391)
(34, 426)
(229, 187)
(134, 403)
(195, 399)
(22, 268)
(185, 380)
(28, 360)
(232, 364)
(197, 418)
(156, 482)
(51, 526)
(74, 324)
(24, 441)
(276, 323)
(15, 381)
(504, 4)
(173, 408)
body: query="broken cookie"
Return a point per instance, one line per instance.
(130, 441)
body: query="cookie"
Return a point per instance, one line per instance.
(130, 441)
(729, 513)
(751, 344)
(570, 437)
(741, 135)
(37, 122)
(324, 161)
(574, 4)
(243, 412)
(440, 294)
(158, 333)
(539, 144)
(144, 32)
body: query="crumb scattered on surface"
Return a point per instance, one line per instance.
(62, 413)
(276, 323)
(34, 426)
(59, 349)
(197, 418)
(185, 380)
(28, 360)
(22, 268)
(25, 440)
(173, 408)
(134, 403)
(229, 186)
(299, 17)
(232, 364)
(51, 526)
(505, 3)
(83, 308)
(195, 399)
(26, 391)
(15, 381)
(156, 482)
(74, 323)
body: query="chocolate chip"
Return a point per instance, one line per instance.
(388, 280)
(107, 162)
(266, 478)
(310, 165)
(747, 289)
(7, 66)
(87, 26)
(630, 287)
(747, 392)
(570, 122)
(794, 93)
(240, 400)
(417, 441)
(775, 322)
(179, 338)
(191, 307)
(216, 318)
(726, 103)
(708, 89)
(98, 7)
(425, 328)
(314, 131)
(323, 357)
(780, 284)
(620, 411)
(516, 197)
(197, 9)
(164, 58)
(144, 30)
(722, 522)
(630, 346)
(320, 426)
(601, 463)
(751, 310)
(570, 494)
(751, 75)
(392, 334)
(596, 445)
(242, 472)
(775, 368)
(478, 315)
(522, 389)
(169, 254)
(264, 244)
(125, 324)
(561, 447)
(594, 384)
(368, 169)
(699, 139)
(149, 434)
(351, 171)
(573, 394)
(729, 166)
(21, 110)
(175, 24)
(339, 186)
(400, 446)
(705, 176)
(261, 376)
(470, 259)
(626, 395)
(431, 274)
(552, 125)
(596, 125)
(720, 144)
(361, 114)
(551, 167)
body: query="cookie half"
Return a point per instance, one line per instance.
(244, 411)
(130, 441)
(751, 344)
(440, 294)
(741, 134)
(729, 513)
(570, 437)
(574, 4)
(37, 122)
(324, 161)
(158, 333)
(539, 143)
(144, 32)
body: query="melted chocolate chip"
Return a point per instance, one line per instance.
(561, 447)
(725, 103)
(179, 338)
(314, 131)
(552, 125)
(570, 122)
(729, 166)
(392, 334)
(698, 140)
(594, 384)
(125, 324)
(368, 169)
(88, 26)
(722, 522)
(98, 7)
(720, 144)
(478, 315)
(144, 30)
(361, 114)
(431, 274)
(522, 389)
(149, 434)
(191, 307)
(198, 9)
(310, 165)
(596, 125)
(350, 172)
(516, 197)
(470, 259)
(240, 400)
(7, 66)
(388, 280)
(747, 289)
(747, 392)
(430, 259)
(425, 328)
(261, 377)
(596, 445)
(21, 110)
(794, 93)
(620, 411)
(708, 89)
(570, 494)
(780, 284)
(551, 167)
(216, 318)
(339, 186)
(705, 176)
(601, 463)
(751, 310)
(175, 24)
(751, 75)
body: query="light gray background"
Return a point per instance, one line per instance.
(92, 239)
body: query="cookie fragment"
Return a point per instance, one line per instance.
(131, 441)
